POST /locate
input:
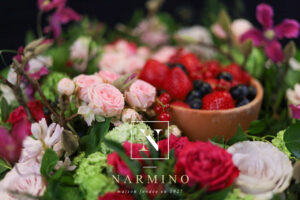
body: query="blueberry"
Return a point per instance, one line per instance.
(225, 75)
(46, 111)
(205, 89)
(197, 84)
(242, 102)
(194, 94)
(251, 93)
(195, 103)
(239, 92)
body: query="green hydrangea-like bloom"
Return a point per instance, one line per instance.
(92, 178)
(49, 85)
(127, 132)
(237, 195)
(278, 142)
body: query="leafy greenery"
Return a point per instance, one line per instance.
(292, 139)
(49, 161)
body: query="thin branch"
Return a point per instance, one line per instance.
(72, 117)
(62, 112)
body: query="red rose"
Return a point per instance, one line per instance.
(36, 109)
(116, 196)
(120, 167)
(17, 114)
(206, 164)
(176, 143)
(154, 189)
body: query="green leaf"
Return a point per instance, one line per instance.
(246, 47)
(96, 135)
(49, 161)
(219, 195)
(225, 21)
(257, 127)
(238, 137)
(292, 139)
(4, 109)
(4, 166)
(69, 142)
(292, 77)
(289, 50)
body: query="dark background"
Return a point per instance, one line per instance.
(19, 16)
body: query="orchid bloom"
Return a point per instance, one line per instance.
(269, 36)
(11, 144)
(62, 15)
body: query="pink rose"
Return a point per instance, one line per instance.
(140, 95)
(129, 115)
(113, 61)
(66, 86)
(106, 100)
(164, 54)
(134, 64)
(108, 76)
(83, 82)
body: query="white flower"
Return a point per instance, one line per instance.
(164, 54)
(293, 96)
(23, 178)
(66, 86)
(12, 76)
(192, 36)
(80, 53)
(65, 165)
(173, 129)
(295, 64)
(87, 113)
(7, 93)
(46, 137)
(36, 64)
(264, 169)
(129, 115)
(238, 27)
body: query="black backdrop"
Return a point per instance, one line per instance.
(19, 16)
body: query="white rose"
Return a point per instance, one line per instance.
(129, 115)
(238, 28)
(264, 169)
(66, 86)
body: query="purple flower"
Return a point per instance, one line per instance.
(269, 36)
(63, 15)
(11, 144)
(48, 5)
(295, 111)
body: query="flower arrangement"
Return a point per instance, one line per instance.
(82, 109)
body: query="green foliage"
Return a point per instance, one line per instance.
(278, 142)
(5, 110)
(257, 127)
(218, 195)
(238, 137)
(94, 176)
(49, 161)
(4, 167)
(292, 139)
(256, 63)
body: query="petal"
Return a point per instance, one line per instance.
(20, 131)
(274, 51)
(264, 14)
(295, 111)
(255, 35)
(289, 28)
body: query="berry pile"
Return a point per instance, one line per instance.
(191, 83)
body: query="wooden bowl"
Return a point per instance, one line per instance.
(206, 124)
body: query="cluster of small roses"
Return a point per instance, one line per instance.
(103, 94)
(212, 167)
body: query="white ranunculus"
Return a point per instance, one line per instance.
(24, 178)
(264, 169)
(238, 27)
(193, 36)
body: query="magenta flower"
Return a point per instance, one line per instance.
(48, 5)
(269, 36)
(11, 144)
(63, 15)
(295, 111)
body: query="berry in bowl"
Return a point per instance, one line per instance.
(203, 98)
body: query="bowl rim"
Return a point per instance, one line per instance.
(254, 82)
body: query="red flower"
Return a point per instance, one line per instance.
(36, 109)
(17, 114)
(116, 196)
(206, 164)
(120, 167)
(176, 143)
(154, 189)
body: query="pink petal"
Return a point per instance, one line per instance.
(264, 14)
(255, 35)
(295, 111)
(42, 72)
(274, 51)
(20, 131)
(289, 28)
(68, 14)
(9, 150)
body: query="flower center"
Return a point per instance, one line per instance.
(46, 2)
(270, 34)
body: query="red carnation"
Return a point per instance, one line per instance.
(116, 196)
(36, 109)
(206, 164)
(176, 143)
(16, 115)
